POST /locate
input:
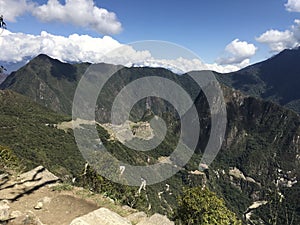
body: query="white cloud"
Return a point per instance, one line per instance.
(84, 48)
(237, 54)
(182, 65)
(226, 68)
(280, 40)
(293, 6)
(11, 9)
(72, 48)
(82, 13)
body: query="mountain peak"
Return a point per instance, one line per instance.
(276, 79)
(43, 58)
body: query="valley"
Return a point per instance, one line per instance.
(256, 172)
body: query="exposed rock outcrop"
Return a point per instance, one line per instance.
(26, 183)
(137, 217)
(101, 216)
(156, 219)
(4, 211)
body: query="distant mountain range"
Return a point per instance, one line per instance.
(14, 66)
(259, 158)
(276, 79)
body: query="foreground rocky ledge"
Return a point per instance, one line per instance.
(36, 198)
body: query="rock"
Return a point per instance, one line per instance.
(37, 177)
(15, 214)
(26, 183)
(4, 211)
(235, 172)
(4, 176)
(101, 216)
(257, 204)
(39, 206)
(137, 217)
(128, 208)
(156, 219)
(28, 218)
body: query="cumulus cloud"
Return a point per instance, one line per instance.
(15, 8)
(72, 48)
(293, 6)
(81, 13)
(182, 65)
(280, 40)
(84, 48)
(237, 55)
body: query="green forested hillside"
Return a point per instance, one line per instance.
(49, 82)
(258, 162)
(28, 130)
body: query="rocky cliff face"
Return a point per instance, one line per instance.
(260, 158)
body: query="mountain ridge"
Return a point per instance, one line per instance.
(276, 79)
(256, 129)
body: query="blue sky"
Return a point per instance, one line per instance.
(226, 33)
(205, 27)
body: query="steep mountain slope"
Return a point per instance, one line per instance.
(52, 83)
(28, 129)
(276, 79)
(3, 77)
(258, 162)
(47, 81)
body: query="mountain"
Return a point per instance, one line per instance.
(51, 82)
(14, 66)
(3, 77)
(256, 171)
(258, 161)
(29, 130)
(276, 79)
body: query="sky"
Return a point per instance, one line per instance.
(225, 35)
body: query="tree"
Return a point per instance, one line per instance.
(201, 206)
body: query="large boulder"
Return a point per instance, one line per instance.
(101, 216)
(137, 217)
(156, 219)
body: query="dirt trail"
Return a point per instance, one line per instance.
(61, 206)
(36, 198)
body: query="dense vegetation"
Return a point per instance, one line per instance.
(199, 206)
(28, 129)
(262, 138)
(9, 161)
